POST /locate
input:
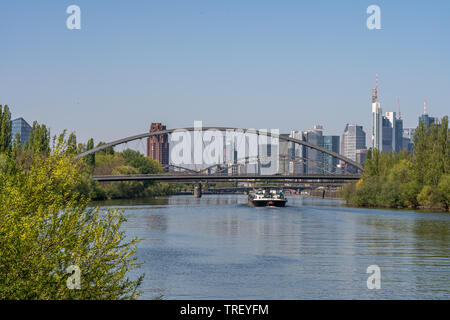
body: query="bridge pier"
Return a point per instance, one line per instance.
(198, 190)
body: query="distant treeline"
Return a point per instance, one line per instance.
(405, 180)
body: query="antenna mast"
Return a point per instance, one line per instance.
(375, 91)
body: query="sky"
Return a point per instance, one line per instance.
(286, 65)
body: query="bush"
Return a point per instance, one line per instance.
(46, 226)
(444, 189)
(429, 196)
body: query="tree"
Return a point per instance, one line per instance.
(39, 142)
(444, 190)
(109, 150)
(16, 147)
(443, 146)
(90, 160)
(5, 129)
(72, 144)
(429, 196)
(144, 164)
(399, 179)
(47, 226)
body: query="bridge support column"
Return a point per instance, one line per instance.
(198, 190)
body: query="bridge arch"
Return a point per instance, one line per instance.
(315, 163)
(248, 131)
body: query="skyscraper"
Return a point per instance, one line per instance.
(407, 144)
(408, 137)
(297, 164)
(398, 135)
(377, 120)
(20, 127)
(361, 155)
(388, 132)
(158, 145)
(331, 143)
(283, 155)
(425, 118)
(315, 157)
(386, 129)
(353, 139)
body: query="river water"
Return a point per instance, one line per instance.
(218, 247)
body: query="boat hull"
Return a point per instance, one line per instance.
(267, 203)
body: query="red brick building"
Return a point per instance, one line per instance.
(158, 146)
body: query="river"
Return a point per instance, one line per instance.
(218, 247)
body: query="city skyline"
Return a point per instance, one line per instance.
(205, 61)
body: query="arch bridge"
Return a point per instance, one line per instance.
(191, 175)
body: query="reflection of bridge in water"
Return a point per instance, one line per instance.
(222, 172)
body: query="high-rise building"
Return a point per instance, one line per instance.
(386, 129)
(315, 157)
(407, 144)
(283, 155)
(267, 158)
(297, 152)
(331, 143)
(361, 155)
(388, 132)
(408, 136)
(158, 145)
(377, 120)
(20, 127)
(230, 155)
(398, 135)
(353, 139)
(392, 133)
(425, 118)
(409, 132)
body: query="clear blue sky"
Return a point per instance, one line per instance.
(244, 63)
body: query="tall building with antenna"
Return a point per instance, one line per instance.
(387, 129)
(425, 118)
(377, 120)
(398, 134)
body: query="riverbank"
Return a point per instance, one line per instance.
(410, 208)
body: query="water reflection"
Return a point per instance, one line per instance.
(217, 247)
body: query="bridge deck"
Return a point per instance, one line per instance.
(213, 177)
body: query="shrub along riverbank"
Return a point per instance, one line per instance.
(126, 162)
(404, 180)
(52, 244)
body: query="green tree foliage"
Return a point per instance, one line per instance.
(5, 129)
(109, 150)
(405, 180)
(90, 160)
(16, 148)
(46, 226)
(72, 144)
(444, 190)
(144, 164)
(129, 162)
(39, 142)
